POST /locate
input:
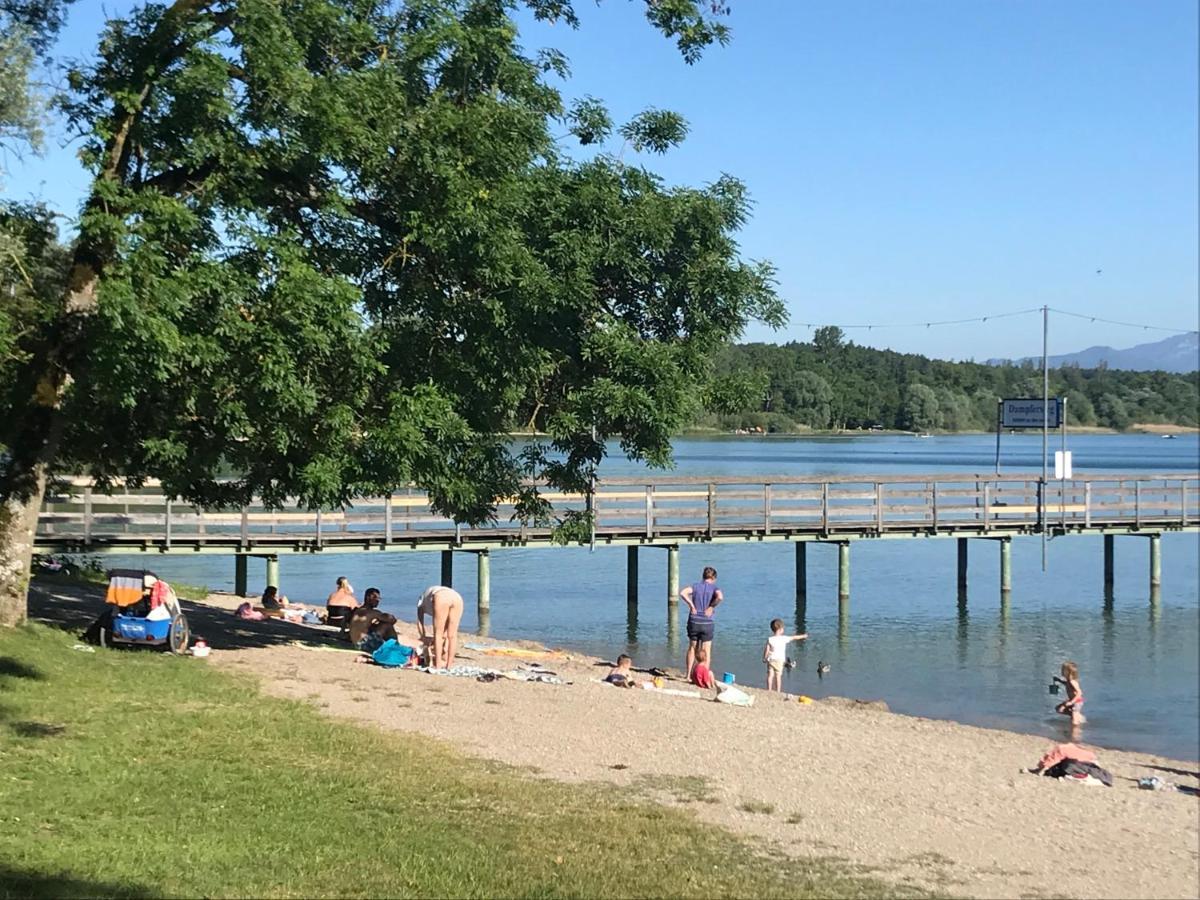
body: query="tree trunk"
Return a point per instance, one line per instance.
(38, 432)
(34, 447)
(18, 518)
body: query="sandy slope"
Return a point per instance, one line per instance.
(936, 803)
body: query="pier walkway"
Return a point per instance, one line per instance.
(664, 511)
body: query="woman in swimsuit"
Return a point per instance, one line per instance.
(1073, 705)
(445, 607)
(341, 603)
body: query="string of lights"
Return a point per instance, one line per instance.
(869, 327)
(1003, 315)
(1065, 312)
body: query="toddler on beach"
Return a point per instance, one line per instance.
(775, 653)
(702, 675)
(1073, 705)
(622, 675)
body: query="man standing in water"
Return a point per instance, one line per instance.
(702, 599)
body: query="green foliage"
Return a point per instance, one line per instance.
(27, 28)
(32, 271)
(921, 409)
(20, 109)
(339, 250)
(265, 802)
(831, 383)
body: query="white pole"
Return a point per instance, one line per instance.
(1045, 425)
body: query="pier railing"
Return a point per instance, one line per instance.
(651, 509)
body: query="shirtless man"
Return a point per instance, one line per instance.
(445, 607)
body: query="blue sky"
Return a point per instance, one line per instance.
(910, 161)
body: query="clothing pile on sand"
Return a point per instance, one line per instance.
(1074, 764)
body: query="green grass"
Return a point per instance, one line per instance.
(136, 774)
(754, 806)
(680, 788)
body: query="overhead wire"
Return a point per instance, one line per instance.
(1001, 315)
(1066, 312)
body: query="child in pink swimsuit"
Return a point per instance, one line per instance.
(1073, 705)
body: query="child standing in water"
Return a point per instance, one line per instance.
(775, 653)
(1073, 705)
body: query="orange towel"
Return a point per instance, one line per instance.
(1059, 752)
(123, 590)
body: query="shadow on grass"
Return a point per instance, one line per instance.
(16, 883)
(12, 668)
(74, 607)
(37, 729)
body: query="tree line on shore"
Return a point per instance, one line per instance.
(832, 383)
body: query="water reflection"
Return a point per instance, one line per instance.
(801, 615)
(673, 629)
(484, 627)
(843, 628)
(1108, 628)
(964, 627)
(631, 622)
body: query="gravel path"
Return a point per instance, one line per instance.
(916, 801)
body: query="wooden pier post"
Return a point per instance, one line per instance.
(962, 565)
(1155, 562)
(672, 579)
(1109, 554)
(483, 581)
(447, 568)
(801, 575)
(239, 574)
(843, 570)
(1005, 566)
(273, 571)
(631, 576)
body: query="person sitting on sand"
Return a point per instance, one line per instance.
(444, 606)
(369, 627)
(341, 603)
(1073, 705)
(622, 675)
(702, 675)
(775, 653)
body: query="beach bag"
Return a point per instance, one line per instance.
(392, 654)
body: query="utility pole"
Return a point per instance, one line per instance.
(1045, 426)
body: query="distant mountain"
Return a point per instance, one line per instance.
(1178, 353)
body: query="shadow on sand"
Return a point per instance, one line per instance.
(74, 607)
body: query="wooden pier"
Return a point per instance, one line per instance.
(663, 511)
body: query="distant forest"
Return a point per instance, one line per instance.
(834, 384)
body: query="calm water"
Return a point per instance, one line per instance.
(906, 640)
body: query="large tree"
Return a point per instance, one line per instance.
(333, 246)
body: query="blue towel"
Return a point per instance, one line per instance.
(393, 654)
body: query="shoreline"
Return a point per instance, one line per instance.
(1143, 428)
(918, 802)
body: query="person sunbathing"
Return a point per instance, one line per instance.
(622, 674)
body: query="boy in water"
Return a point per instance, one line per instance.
(775, 653)
(1073, 705)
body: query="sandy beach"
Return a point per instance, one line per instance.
(915, 801)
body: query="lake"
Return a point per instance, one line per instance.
(906, 639)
